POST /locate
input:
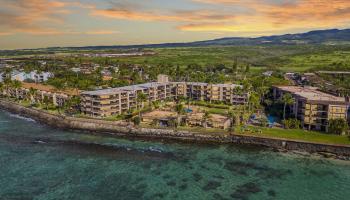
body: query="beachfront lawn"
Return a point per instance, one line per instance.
(296, 134)
(195, 130)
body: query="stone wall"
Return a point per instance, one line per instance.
(122, 129)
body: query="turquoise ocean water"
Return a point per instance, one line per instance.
(41, 163)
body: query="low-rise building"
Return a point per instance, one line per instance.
(159, 117)
(37, 77)
(19, 76)
(314, 108)
(86, 68)
(213, 121)
(40, 77)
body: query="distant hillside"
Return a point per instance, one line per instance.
(332, 36)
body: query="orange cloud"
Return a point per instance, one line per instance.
(102, 32)
(223, 1)
(309, 14)
(29, 16)
(185, 16)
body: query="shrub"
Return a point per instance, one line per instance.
(137, 120)
(338, 126)
(291, 123)
(264, 122)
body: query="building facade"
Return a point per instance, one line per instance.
(115, 101)
(314, 108)
(57, 98)
(37, 77)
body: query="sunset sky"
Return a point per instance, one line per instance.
(44, 23)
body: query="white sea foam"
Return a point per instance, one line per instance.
(23, 118)
(156, 149)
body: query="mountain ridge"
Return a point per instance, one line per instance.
(328, 36)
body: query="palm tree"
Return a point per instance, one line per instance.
(205, 118)
(179, 108)
(7, 84)
(46, 101)
(287, 99)
(247, 86)
(141, 97)
(232, 117)
(73, 102)
(16, 85)
(31, 93)
(254, 101)
(1, 89)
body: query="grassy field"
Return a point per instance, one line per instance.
(290, 134)
(298, 134)
(285, 58)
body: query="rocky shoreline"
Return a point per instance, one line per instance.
(122, 130)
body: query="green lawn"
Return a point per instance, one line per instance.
(291, 134)
(298, 134)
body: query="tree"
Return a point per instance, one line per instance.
(31, 93)
(291, 124)
(179, 108)
(173, 123)
(155, 104)
(205, 118)
(338, 126)
(136, 120)
(233, 119)
(73, 102)
(264, 122)
(287, 99)
(59, 85)
(141, 97)
(7, 84)
(254, 101)
(16, 85)
(1, 89)
(286, 123)
(247, 68)
(46, 101)
(268, 102)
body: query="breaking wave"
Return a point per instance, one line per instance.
(22, 118)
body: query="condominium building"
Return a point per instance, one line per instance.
(314, 108)
(114, 101)
(57, 98)
(211, 92)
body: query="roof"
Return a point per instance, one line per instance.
(131, 88)
(159, 114)
(312, 94)
(218, 118)
(48, 88)
(212, 117)
(208, 84)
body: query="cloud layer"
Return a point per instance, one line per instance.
(235, 17)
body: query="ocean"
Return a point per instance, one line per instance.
(41, 163)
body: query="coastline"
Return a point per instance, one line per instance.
(121, 130)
